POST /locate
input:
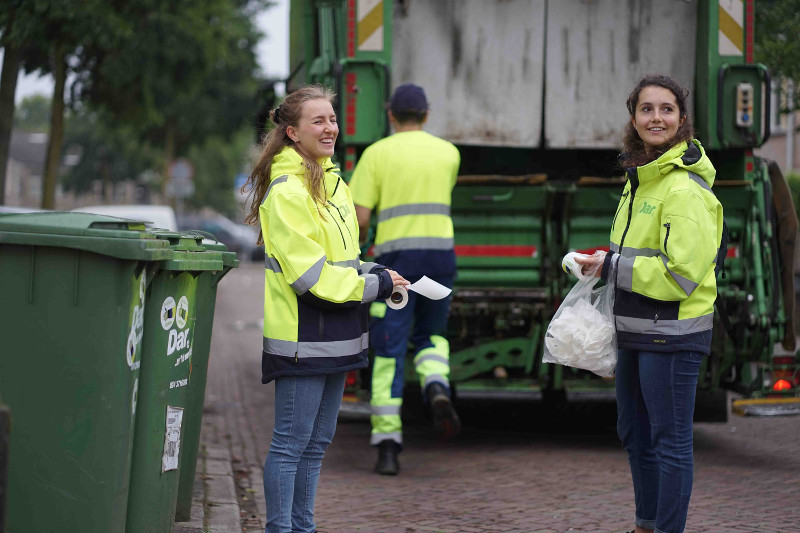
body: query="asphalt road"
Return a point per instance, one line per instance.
(513, 469)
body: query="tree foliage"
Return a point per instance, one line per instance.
(48, 34)
(776, 42)
(217, 162)
(33, 114)
(148, 81)
(99, 149)
(186, 71)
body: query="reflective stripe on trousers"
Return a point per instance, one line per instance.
(385, 418)
(433, 364)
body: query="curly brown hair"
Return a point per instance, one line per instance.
(285, 115)
(634, 151)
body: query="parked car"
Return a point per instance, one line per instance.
(155, 216)
(239, 238)
(17, 209)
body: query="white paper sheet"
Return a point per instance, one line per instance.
(429, 288)
(425, 287)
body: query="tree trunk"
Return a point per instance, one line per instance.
(8, 88)
(105, 173)
(169, 156)
(56, 129)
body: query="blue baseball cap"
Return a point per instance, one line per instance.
(408, 98)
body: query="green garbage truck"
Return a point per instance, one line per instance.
(532, 93)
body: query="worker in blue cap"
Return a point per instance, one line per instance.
(408, 179)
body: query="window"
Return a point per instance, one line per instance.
(780, 102)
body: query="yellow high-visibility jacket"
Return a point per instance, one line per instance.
(664, 242)
(315, 283)
(408, 179)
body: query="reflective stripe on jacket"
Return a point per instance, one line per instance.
(664, 242)
(408, 177)
(314, 322)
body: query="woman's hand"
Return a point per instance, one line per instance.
(388, 280)
(589, 262)
(397, 279)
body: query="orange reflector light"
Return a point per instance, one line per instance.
(782, 384)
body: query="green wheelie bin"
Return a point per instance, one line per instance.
(207, 283)
(73, 291)
(5, 423)
(171, 320)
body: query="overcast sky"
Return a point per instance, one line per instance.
(272, 51)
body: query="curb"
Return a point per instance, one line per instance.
(215, 508)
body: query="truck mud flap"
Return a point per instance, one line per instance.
(786, 219)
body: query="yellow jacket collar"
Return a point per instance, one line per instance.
(691, 158)
(288, 161)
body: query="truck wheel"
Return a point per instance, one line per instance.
(711, 406)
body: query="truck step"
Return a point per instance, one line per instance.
(767, 407)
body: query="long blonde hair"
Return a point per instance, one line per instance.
(285, 115)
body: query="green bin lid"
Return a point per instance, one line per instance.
(106, 235)
(229, 258)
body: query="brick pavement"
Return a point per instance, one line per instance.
(546, 478)
(215, 506)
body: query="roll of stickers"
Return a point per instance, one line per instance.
(570, 266)
(398, 299)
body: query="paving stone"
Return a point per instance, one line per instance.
(224, 518)
(219, 466)
(220, 489)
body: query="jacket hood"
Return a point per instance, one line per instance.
(690, 156)
(694, 159)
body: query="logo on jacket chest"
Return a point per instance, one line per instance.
(343, 209)
(647, 209)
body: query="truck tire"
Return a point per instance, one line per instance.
(711, 406)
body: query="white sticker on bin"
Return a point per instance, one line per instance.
(172, 439)
(135, 396)
(168, 312)
(182, 312)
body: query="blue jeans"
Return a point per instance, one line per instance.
(306, 409)
(655, 406)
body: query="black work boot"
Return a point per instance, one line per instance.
(445, 420)
(387, 464)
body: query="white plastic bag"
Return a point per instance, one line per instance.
(581, 333)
